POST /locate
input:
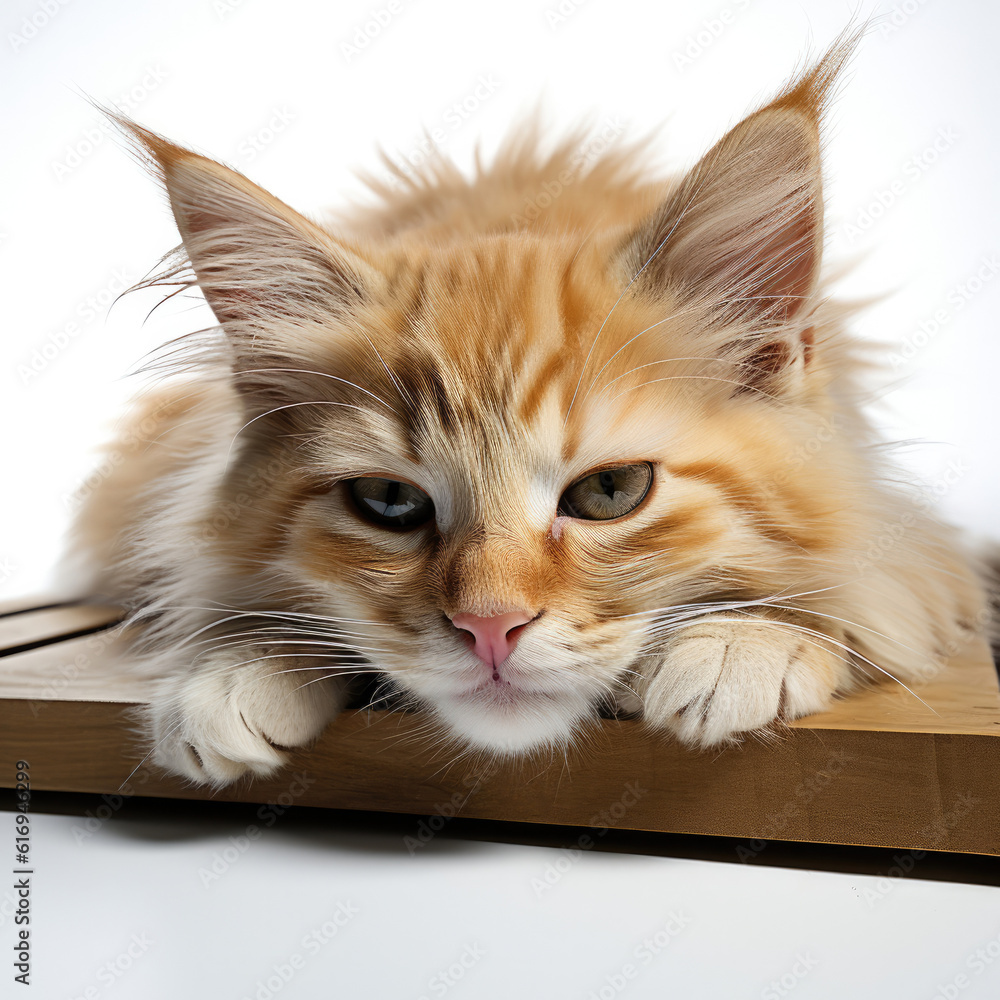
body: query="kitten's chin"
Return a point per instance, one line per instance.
(513, 723)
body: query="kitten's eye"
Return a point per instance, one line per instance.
(608, 493)
(390, 503)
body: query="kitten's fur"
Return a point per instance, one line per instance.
(444, 340)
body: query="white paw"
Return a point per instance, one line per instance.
(228, 717)
(719, 678)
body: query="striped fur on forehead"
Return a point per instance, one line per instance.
(516, 336)
(494, 317)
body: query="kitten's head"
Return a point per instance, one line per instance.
(503, 457)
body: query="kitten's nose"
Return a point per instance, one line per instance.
(496, 636)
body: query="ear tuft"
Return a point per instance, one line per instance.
(809, 92)
(742, 232)
(256, 260)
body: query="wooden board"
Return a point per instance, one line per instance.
(883, 767)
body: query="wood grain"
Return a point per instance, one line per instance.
(881, 768)
(43, 625)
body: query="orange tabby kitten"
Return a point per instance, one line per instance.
(608, 457)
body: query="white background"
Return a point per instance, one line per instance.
(77, 218)
(209, 914)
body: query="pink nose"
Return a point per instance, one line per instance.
(495, 637)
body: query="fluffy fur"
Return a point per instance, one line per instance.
(446, 339)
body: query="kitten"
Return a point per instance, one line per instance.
(528, 465)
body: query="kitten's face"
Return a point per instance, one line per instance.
(491, 412)
(682, 352)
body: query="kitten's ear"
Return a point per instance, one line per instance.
(742, 232)
(255, 259)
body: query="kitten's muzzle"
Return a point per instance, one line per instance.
(495, 636)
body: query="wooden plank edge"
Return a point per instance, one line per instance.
(907, 791)
(30, 630)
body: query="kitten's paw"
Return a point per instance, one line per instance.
(721, 677)
(229, 717)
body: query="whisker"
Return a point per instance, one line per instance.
(667, 319)
(278, 632)
(334, 378)
(759, 619)
(708, 378)
(635, 278)
(288, 406)
(726, 605)
(350, 647)
(151, 751)
(845, 621)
